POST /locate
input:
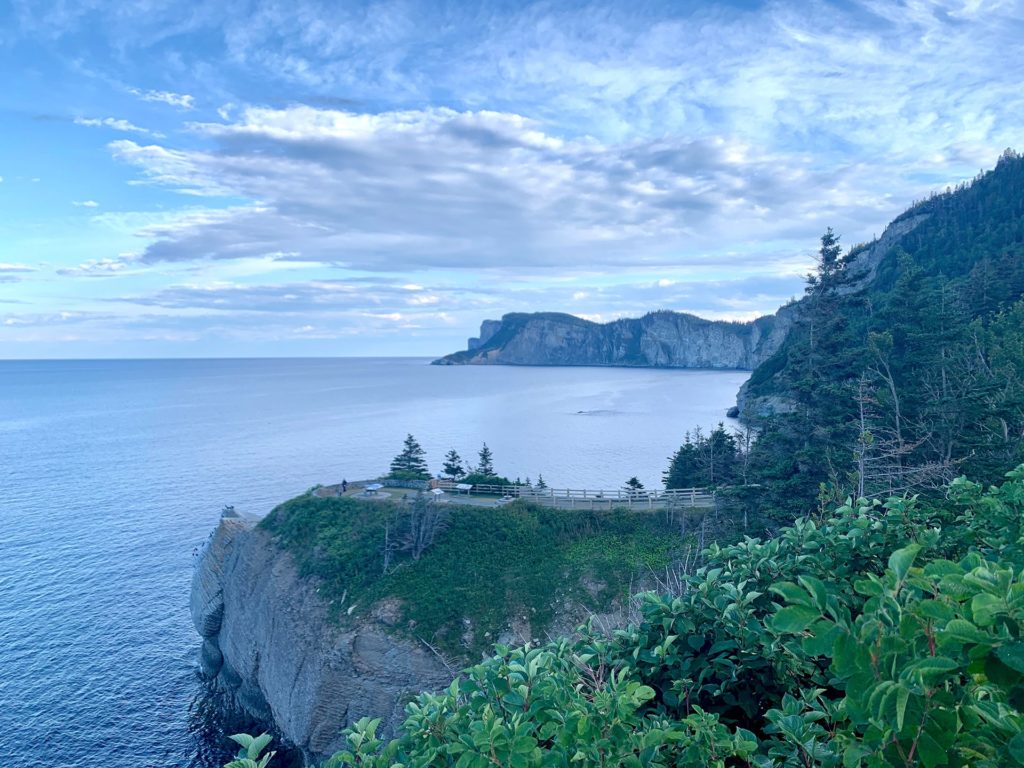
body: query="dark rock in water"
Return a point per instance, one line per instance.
(210, 659)
(734, 412)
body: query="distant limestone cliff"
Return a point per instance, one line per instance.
(659, 339)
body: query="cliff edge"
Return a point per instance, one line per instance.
(269, 645)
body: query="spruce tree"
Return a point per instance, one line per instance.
(453, 467)
(633, 486)
(486, 465)
(411, 463)
(682, 469)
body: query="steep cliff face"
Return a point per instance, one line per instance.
(270, 646)
(660, 339)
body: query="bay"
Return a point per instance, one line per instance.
(113, 473)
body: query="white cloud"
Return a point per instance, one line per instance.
(108, 267)
(117, 124)
(179, 100)
(85, 204)
(469, 190)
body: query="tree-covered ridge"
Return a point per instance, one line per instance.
(971, 223)
(904, 381)
(883, 635)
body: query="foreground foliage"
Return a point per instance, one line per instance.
(884, 635)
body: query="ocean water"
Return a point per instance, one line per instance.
(113, 473)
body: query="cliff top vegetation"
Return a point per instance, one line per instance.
(483, 566)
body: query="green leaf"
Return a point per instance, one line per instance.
(791, 593)
(643, 693)
(821, 639)
(902, 697)
(935, 610)
(1000, 673)
(932, 753)
(258, 744)
(985, 608)
(901, 560)
(513, 698)
(242, 739)
(933, 666)
(963, 631)
(1016, 748)
(817, 590)
(1012, 655)
(794, 619)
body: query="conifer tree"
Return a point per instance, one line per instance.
(453, 467)
(411, 463)
(682, 468)
(486, 465)
(633, 486)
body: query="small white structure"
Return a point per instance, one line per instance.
(464, 487)
(438, 492)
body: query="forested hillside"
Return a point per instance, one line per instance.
(905, 366)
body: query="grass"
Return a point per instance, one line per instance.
(489, 565)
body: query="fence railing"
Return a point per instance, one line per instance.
(686, 497)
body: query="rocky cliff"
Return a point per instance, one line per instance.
(269, 645)
(659, 339)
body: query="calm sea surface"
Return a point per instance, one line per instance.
(113, 472)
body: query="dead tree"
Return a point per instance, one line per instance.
(424, 521)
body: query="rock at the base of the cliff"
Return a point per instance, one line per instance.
(210, 659)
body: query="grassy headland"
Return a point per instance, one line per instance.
(486, 566)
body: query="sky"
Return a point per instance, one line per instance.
(243, 178)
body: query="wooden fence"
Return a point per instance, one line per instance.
(589, 498)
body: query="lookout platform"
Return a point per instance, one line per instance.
(584, 498)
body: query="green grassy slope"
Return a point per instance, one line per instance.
(488, 565)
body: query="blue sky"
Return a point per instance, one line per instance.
(304, 178)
